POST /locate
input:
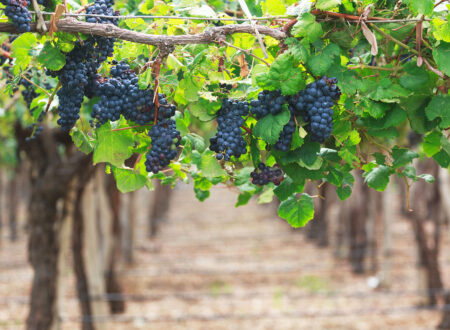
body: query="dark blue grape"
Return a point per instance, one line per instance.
(284, 141)
(315, 104)
(228, 140)
(79, 76)
(268, 102)
(266, 174)
(165, 139)
(120, 95)
(17, 11)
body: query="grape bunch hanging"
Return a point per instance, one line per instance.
(79, 75)
(266, 174)
(228, 141)
(315, 104)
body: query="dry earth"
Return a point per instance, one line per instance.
(217, 267)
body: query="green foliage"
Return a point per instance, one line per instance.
(384, 98)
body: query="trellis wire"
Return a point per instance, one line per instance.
(235, 19)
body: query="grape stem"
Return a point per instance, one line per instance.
(408, 186)
(222, 41)
(5, 53)
(248, 130)
(138, 159)
(371, 67)
(40, 26)
(125, 128)
(50, 100)
(35, 85)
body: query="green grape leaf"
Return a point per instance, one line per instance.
(266, 196)
(432, 143)
(83, 141)
(415, 78)
(308, 152)
(202, 183)
(334, 176)
(128, 179)
(321, 63)
(197, 141)
(344, 192)
(378, 177)
(327, 4)
(442, 158)
(402, 156)
(20, 50)
(439, 107)
(388, 92)
(427, 177)
(269, 127)
(243, 199)
(287, 188)
(297, 212)
(51, 57)
(330, 155)
(307, 27)
(209, 166)
(113, 147)
(283, 75)
(424, 7)
(201, 195)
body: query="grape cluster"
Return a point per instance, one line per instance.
(315, 104)
(105, 46)
(266, 174)
(165, 139)
(228, 141)
(268, 102)
(17, 11)
(79, 77)
(73, 78)
(285, 139)
(120, 95)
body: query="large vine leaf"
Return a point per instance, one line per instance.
(442, 56)
(113, 147)
(321, 63)
(378, 177)
(297, 212)
(128, 179)
(424, 7)
(270, 127)
(307, 27)
(439, 107)
(402, 156)
(284, 75)
(51, 57)
(20, 50)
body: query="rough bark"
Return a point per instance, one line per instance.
(161, 204)
(12, 207)
(318, 228)
(50, 174)
(77, 250)
(426, 219)
(358, 218)
(113, 287)
(128, 220)
(210, 35)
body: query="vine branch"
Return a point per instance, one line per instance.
(210, 35)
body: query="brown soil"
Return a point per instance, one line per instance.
(217, 267)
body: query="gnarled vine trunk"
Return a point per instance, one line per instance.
(51, 174)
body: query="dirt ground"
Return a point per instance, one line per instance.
(217, 267)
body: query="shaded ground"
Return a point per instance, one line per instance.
(217, 267)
